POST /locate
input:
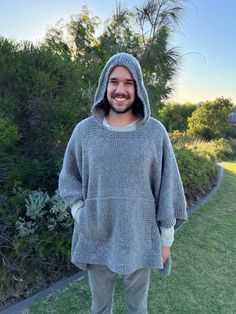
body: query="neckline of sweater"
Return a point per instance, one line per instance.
(140, 126)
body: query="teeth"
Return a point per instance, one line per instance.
(120, 98)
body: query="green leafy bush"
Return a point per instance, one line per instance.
(197, 162)
(232, 143)
(215, 150)
(211, 119)
(197, 172)
(175, 115)
(9, 134)
(38, 110)
(231, 131)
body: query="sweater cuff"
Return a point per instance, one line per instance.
(167, 236)
(167, 222)
(75, 209)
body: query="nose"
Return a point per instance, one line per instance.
(120, 88)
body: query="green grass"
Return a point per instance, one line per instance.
(203, 271)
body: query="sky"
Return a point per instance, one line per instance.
(206, 39)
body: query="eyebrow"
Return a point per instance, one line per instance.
(115, 78)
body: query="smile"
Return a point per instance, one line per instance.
(119, 98)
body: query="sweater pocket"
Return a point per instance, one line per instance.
(118, 219)
(96, 220)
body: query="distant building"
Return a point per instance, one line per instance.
(232, 118)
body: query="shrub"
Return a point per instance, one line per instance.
(38, 110)
(231, 131)
(232, 143)
(197, 173)
(175, 116)
(43, 212)
(210, 119)
(9, 136)
(35, 246)
(214, 150)
(9, 133)
(34, 173)
(181, 138)
(197, 162)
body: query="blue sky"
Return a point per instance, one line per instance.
(206, 39)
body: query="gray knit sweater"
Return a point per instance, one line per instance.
(130, 185)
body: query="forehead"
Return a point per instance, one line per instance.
(120, 71)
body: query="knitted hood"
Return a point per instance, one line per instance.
(132, 64)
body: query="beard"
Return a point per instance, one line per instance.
(136, 107)
(128, 108)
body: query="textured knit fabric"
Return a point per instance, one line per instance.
(75, 209)
(167, 234)
(130, 185)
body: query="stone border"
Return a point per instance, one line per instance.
(22, 306)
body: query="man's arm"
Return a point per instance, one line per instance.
(70, 181)
(165, 253)
(167, 238)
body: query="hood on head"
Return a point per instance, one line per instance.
(132, 64)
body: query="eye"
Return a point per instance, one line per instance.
(131, 83)
(113, 82)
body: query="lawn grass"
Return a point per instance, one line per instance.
(203, 279)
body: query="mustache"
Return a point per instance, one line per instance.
(113, 95)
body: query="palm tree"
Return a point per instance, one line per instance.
(157, 20)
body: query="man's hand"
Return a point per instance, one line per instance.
(165, 253)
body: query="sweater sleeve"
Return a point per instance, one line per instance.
(75, 209)
(70, 182)
(171, 202)
(167, 236)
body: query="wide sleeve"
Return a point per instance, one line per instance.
(171, 202)
(70, 182)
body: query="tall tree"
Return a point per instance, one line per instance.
(76, 39)
(157, 20)
(144, 32)
(120, 34)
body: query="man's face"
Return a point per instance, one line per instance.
(121, 90)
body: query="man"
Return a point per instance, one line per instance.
(121, 180)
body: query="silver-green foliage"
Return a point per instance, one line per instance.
(42, 211)
(36, 203)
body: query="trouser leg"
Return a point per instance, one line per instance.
(102, 284)
(136, 286)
